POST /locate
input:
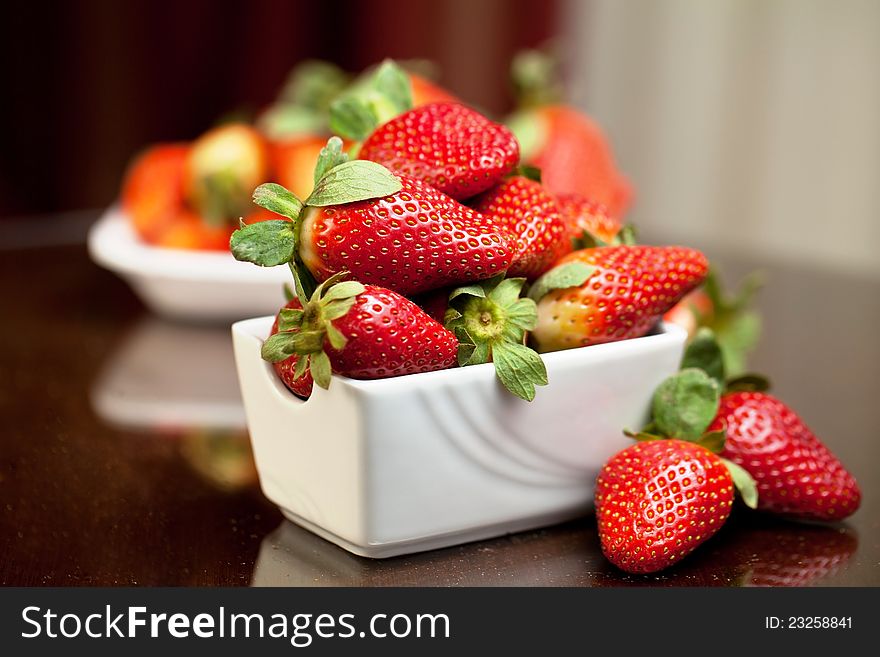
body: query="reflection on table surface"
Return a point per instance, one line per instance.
(752, 550)
(124, 458)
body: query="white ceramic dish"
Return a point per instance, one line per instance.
(424, 461)
(184, 284)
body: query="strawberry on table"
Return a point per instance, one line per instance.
(359, 331)
(527, 211)
(797, 475)
(657, 501)
(611, 293)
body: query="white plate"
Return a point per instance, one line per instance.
(418, 462)
(185, 284)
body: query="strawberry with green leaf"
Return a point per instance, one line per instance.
(490, 321)
(796, 474)
(444, 144)
(611, 293)
(658, 500)
(525, 209)
(359, 331)
(385, 229)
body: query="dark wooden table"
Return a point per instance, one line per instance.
(123, 457)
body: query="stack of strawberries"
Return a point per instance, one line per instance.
(433, 237)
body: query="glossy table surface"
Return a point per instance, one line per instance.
(124, 458)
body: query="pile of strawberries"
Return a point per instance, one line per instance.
(436, 248)
(431, 237)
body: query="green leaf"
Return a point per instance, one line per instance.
(344, 290)
(507, 291)
(392, 82)
(278, 347)
(737, 336)
(277, 199)
(685, 404)
(586, 241)
(572, 274)
(477, 356)
(519, 369)
(266, 243)
(744, 483)
(282, 121)
(302, 364)
(704, 353)
(336, 338)
(464, 353)
(713, 440)
(529, 172)
(288, 293)
(313, 84)
(357, 180)
(642, 436)
(303, 281)
(289, 318)
(523, 314)
(338, 308)
(330, 156)
(475, 290)
(352, 118)
(320, 369)
(748, 383)
(627, 235)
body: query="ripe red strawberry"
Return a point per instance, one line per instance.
(526, 210)
(152, 193)
(447, 145)
(358, 331)
(796, 474)
(657, 501)
(415, 240)
(624, 292)
(573, 155)
(582, 214)
(301, 386)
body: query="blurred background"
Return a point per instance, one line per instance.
(743, 124)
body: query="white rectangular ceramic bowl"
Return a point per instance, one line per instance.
(182, 283)
(424, 461)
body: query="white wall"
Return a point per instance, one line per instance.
(744, 124)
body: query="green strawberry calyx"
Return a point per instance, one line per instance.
(371, 101)
(683, 406)
(338, 181)
(736, 324)
(627, 236)
(490, 321)
(304, 331)
(301, 106)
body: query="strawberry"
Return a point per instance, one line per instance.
(611, 293)
(447, 145)
(359, 331)
(573, 155)
(384, 229)
(526, 210)
(222, 167)
(300, 385)
(582, 214)
(152, 192)
(658, 501)
(796, 474)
